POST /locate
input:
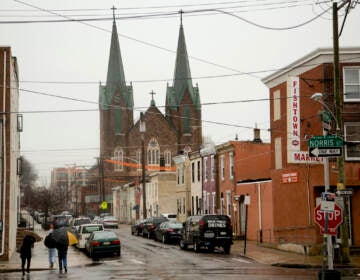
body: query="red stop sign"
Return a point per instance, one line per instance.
(334, 218)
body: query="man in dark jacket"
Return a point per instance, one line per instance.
(25, 252)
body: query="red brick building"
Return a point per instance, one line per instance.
(240, 163)
(179, 129)
(298, 178)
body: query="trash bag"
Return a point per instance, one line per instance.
(50, 241)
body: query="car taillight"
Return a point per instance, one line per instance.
(95, 243)
(201, 223)
(230, 224)
(169, 229)
(115, 242)
(151, 226)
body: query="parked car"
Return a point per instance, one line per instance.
(208, 231)
(136, 227)
(61, 220)
(84, 232)
(109, 222)
(168, 232)
(170, 216)
(75, 223)
(150, 224)
(103, 242)
(96, 220)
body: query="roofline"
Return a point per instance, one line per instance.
(303, 61)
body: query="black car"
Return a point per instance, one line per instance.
(136, 227)
(150, 224)
(168, 232)
(208, 231)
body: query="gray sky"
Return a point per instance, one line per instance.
(61, 63)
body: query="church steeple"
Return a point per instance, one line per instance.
(182, 76)
(115, 81)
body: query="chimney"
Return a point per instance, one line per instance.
(257, 138)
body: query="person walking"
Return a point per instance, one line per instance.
(62, 255)
(50, 243)
(25, 252)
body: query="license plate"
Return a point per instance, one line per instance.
(223, 233)
(106, 243)
(209, 234)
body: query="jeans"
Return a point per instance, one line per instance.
(62, 259)
(52, 255)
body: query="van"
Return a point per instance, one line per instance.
(208, 231)
(170, 216)
(84, 232)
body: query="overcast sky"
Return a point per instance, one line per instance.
(230, 50)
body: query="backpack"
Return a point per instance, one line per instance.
(49, 241)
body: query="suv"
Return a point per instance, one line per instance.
(84, 232)
(75, 223)
(208, 231)
(150, 224)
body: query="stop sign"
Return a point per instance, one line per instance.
(335, 218)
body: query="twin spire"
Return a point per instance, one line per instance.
(116, 81)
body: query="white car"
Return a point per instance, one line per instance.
(84, 232)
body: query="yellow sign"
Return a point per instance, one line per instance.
(103, 205)
(340, 186)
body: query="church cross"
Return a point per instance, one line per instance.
(152, 94)
(113, 8)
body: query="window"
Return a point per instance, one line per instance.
(118, 121)
(138, 159)
(222, 167)
(351, 84)
(276, 102)
(178, 175)
(205, 169)
(212, 167)
(213, 203)
(167, 156)
(119, 157)
(231, 165)
(153, 152)
(278, 153)
(352, 138)
(183, 175)
(193, 172)
(198, 171)
(186, 120)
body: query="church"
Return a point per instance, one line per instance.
(163, 135)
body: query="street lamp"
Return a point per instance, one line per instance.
(142, 132)
(318, 97)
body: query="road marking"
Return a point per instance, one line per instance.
(241, 260)
(136, 261)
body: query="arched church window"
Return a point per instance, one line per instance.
(187, 120)
(153, 152)
(119, 158)
(167, 156)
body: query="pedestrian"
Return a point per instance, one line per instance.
(25, 252)
(62, 255)
(50, 243)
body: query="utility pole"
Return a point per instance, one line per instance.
(142, 132)
(338, 102)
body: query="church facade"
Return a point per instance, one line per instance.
(177, 130)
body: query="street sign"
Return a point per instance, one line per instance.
(334, 218)
(325, 141)
(344, 192)
(325, 152)
(104, 205)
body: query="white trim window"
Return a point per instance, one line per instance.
(167, 156)
(118, 156)
(138, 159)
(231, 165)
(352, 138)
(351, 84)
(222, 167)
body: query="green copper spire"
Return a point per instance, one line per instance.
(115, 81)
(182, 76)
